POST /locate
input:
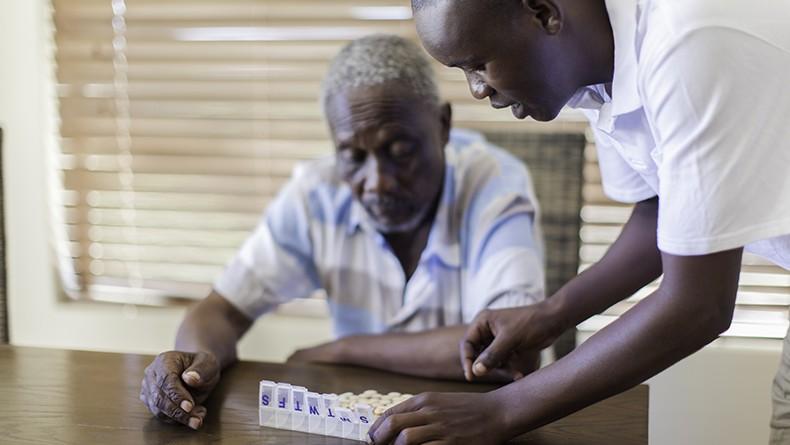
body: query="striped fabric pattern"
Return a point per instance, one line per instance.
(484, 249)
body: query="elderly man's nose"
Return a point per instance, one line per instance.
(479, 88)
(377, 179)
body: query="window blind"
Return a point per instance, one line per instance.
(764, 293)
(180, 120)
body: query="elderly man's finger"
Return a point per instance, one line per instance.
(162, 417)
(203, 372)
(172, 385)
(169, 408)
(200, 412)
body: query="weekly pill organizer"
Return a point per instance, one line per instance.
(348, 416)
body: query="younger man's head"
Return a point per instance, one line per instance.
(530, 55)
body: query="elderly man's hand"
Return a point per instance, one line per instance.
(177, 383)
(440, 418)
(508, 340)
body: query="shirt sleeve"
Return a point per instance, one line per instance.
(506, 254)
(718, 101)
(275, 264)
(619, 180)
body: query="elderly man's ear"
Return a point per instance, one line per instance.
(446, 116)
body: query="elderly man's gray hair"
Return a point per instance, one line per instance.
(380, 59)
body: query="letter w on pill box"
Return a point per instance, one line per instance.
(295, 408)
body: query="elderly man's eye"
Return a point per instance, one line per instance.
(352, 155)
(402, 149)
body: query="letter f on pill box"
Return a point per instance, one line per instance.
(284, 395)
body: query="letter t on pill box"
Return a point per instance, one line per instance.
(299, 415)
(333, 426)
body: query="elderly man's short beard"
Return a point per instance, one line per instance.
(409, 225)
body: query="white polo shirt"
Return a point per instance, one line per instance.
(699, 115)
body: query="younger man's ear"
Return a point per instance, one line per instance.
(546, 14)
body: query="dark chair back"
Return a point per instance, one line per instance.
(556, 162)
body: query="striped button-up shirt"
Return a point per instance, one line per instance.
(484, 249)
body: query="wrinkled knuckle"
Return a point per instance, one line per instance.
(160, 378)
(390, 423)
(427, 398)
(172, 393)
(407, 437)
(159, 401)
(180, 415)
(430, 411)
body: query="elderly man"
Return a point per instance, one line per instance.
(411, 229)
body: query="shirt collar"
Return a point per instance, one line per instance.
(443, 241)
(625, 91)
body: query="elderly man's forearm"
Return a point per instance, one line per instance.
(213, 325)
(432, 353)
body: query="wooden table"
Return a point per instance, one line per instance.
(70, 397)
